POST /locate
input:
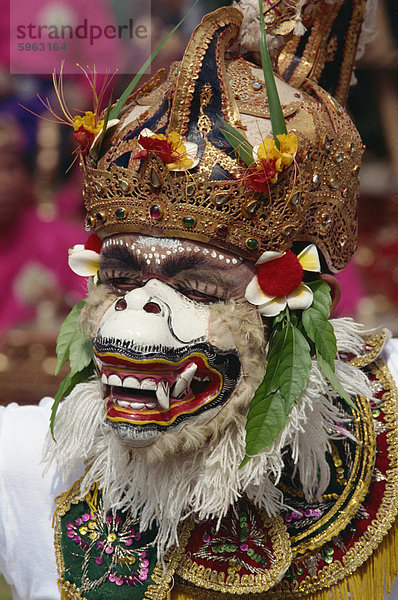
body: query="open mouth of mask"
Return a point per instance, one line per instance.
(155, 362)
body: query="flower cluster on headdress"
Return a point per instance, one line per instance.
(176, 153)
(88, 128)
(85, 129)
(279, 281)
(269, 161)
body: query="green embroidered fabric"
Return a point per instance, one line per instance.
(106, 552)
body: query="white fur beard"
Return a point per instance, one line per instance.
(205, 482)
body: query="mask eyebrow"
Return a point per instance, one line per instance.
(174, 264)
(206, 275)
(120, 256)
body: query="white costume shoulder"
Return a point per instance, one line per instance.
(27, 503)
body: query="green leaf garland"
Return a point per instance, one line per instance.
(320, 331)
(289, 363)
(68, 333)
(266, 419)
(295, 337)
(75, 347)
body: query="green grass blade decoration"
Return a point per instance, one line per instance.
(240, 144)
(277, 118)
(114, 114)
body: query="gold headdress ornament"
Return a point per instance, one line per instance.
(214, 200)
(316, 40)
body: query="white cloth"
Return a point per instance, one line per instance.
(27, 505)
(27, 498)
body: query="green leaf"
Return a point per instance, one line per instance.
(67, 334)
(65, 388)
(284, 315)
(288, 368)
(239, 143)
(132, 85)
(289, 363)
(322, 299)
(266, 419)
(321, 332)
(277, 118)
(334, 382)
(295, 366)
(274, 357)
(80, 353)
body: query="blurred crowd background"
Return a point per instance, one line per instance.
(41, 212)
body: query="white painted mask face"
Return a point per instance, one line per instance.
(152, 347)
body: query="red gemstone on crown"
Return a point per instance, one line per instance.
(155, 212)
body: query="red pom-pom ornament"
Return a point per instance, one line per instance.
(281, 276)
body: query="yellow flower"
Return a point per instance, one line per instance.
(267, 150)
(89, 122)
(283, 157)
(288, 148)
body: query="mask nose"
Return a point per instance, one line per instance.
(155, 314)
(139, 300)
(149, 307)
(152, 307)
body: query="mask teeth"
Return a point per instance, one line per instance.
(163, 394)
(183, 381)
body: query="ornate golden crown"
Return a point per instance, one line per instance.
(315, 199)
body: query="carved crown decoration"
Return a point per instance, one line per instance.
(314, 199)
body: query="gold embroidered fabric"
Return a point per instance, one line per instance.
(232, 582)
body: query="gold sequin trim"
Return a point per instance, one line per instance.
(356, 556)
(234, 583)
(377, 341)
(309, 540)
